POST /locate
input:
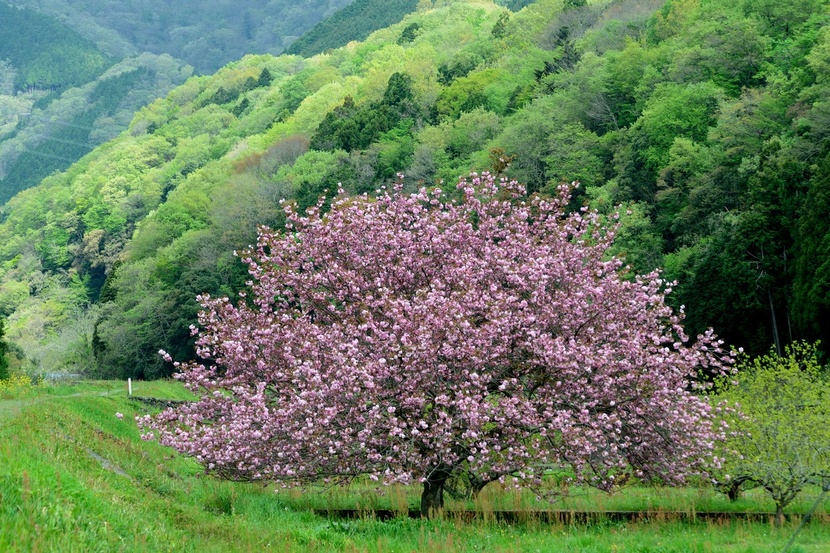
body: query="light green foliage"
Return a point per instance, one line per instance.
(55, 131)
(549, 149)
(723, 46)
(471, 132)
(784, 19)
(485, 88)
(780, 431)
(819, 57)
(73, 73)
(674, 111)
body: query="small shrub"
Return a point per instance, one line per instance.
(16, 386)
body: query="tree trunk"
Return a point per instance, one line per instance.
(779, 515)
(733, 488)
(733, 492)
(476, 485)
(432, 498)
(775, 337)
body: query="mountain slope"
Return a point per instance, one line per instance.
(43, 54)
(206, 34)
(56, 131)
(685, 114)
(56, 100)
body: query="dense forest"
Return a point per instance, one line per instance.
(58, 128)
(706, 125)
(354, 22)
(46, 54)
(361, 17)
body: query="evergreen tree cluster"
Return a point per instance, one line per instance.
(46, 54)
(353, 22)
(4, 349)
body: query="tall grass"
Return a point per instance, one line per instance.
(365, 495)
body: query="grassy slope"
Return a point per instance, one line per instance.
(74, 477)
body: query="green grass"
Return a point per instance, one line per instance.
(73, 477)
(166, 389)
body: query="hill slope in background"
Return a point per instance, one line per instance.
(362, 17)
(39, 53)
(57, 130)
(708, 124)
(206, 34)
(58, 96)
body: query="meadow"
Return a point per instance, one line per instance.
(76, 477)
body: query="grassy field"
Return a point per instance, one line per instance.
(74, 477)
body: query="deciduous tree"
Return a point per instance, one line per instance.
(412, 338)
(779, 438)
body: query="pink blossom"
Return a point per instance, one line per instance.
(497, 326)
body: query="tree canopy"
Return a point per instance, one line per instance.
(4, 348)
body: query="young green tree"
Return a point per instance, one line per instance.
(780, 439)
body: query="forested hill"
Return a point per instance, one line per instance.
(206, 34)
(360, 18)
(60, 96)
(707, 123)
(73, 73)
(37, 52)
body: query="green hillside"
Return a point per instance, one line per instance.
(60, 95)
(206, 34)
(362, 17)
(353, 22)
(57, 102)
(45, 54)
(706, 123)
(58, 129)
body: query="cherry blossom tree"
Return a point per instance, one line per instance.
(414, 338)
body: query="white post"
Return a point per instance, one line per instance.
(130, 386)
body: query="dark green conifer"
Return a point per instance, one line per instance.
(4, 347)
